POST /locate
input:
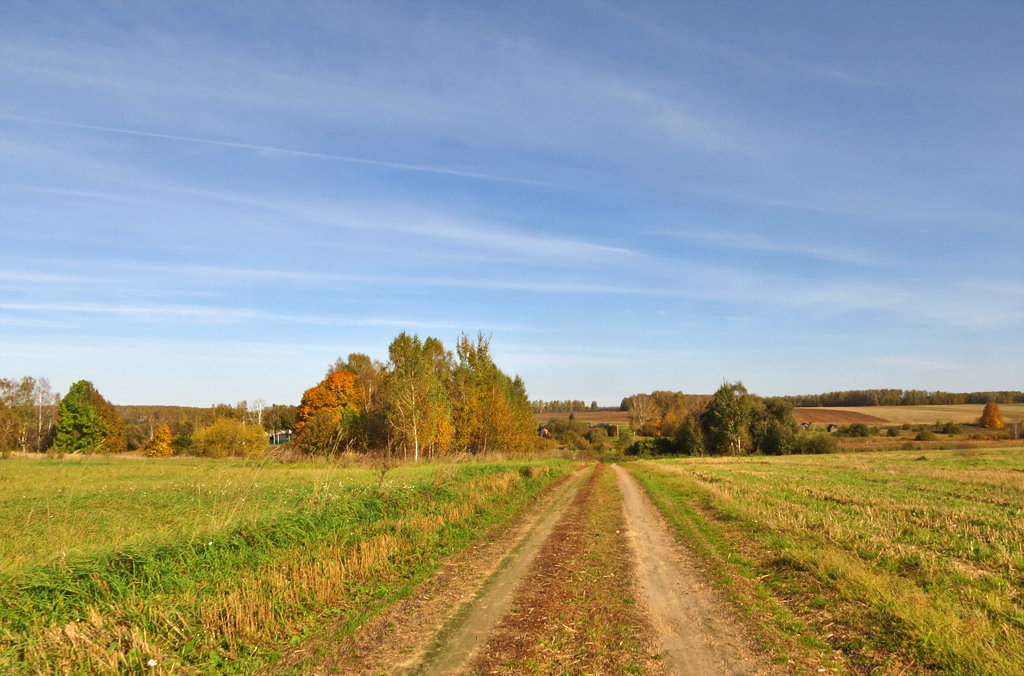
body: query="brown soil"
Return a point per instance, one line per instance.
(833, 416)
(575, 613)
(698, 634)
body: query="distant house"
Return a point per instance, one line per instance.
(280, 437)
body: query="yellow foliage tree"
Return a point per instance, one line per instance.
(991, 417)
(160, 445)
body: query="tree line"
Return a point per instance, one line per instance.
(424, 402)
(897, 397)
(563, 406)
(729, 422)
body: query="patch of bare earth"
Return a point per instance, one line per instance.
(401, 638)
(834, 416)
(576, 613)
(697, 631)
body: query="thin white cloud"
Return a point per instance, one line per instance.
(68, 192)
(837, 252)
(917, 364)
(223, 315)
(143, 312)
(447, 171)
(774, 65)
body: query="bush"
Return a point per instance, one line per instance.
(949, 428)
(925, 435)
(815, 443)
(650, 446)
(574, 440)
(227, 437)
(856, 430)
(991, 417)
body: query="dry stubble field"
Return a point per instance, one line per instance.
(866, 563)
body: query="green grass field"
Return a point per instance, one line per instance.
(868, 563)
(200, 566)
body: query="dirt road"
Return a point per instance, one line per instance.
(589, 581)
(696, 633)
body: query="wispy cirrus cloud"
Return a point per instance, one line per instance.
(917, 364)
(784, 243)
(384, 164)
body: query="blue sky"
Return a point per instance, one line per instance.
(210, 202)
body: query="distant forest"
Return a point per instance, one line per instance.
(903, 398)
(882, 397)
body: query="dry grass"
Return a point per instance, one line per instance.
(910, 415)
(893, 560)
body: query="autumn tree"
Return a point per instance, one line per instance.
(490, 409)
(369, 371)
(88, 422)
(16, 413)
(991, 416)
(417, 408)
(159, 445)
(335, 404)
(643, 412)
(28, 414)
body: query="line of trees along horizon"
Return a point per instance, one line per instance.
(425, 402)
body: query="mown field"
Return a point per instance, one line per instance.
(909, 415)
(200, 566)
(881, 563)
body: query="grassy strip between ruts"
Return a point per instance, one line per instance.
(231, 601)
(887, 563)
(575, 612)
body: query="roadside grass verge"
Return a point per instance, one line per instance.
(277, 552)
(881, 563)
(575, 612)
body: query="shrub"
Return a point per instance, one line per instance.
(574, 440)
(856, 430)
(925, 435)
(227, 437)
(815, 443)
(949, 428)
(991, 417)
(650, 446)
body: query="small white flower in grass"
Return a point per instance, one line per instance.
(210, 543)
(151, 663)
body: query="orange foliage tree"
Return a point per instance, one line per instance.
(991, 417)
(340, 395)
(160, 445)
